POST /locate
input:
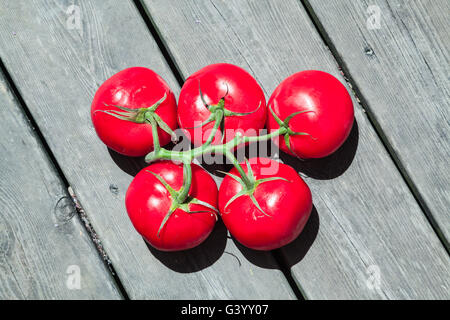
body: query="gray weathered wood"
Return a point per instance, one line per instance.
(43, 244)
(368, 220)
(57, 69)
(402, 71)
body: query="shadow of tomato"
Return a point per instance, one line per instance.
(329, 167)
(198, 258)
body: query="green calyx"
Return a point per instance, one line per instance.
(249, 185)
(219, 112)
(285, 124)
(142, 115)
(180, 198)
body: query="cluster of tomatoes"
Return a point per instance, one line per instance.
(310, 115)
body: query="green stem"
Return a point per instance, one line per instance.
(226, 149)
(220, 148)
(235, 162)
(180, 198)
(156, 145)
(187, 178)
(218, 120)
(265, 137)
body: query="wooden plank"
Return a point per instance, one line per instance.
(57, 70)
(43, 245)
(366, 219)
(401, 70)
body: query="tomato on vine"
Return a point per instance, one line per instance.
(266, 207)
(264, 204)
(321, 113)
(167, 222)
(130, 108)
(224, 94)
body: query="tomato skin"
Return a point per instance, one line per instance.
(134, 88)
(329, 124)
(244, 95)
(288, 205)
(148, 201)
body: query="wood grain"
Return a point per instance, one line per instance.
(401, 70)
(57, 69)
(367, 229)
(43, 244)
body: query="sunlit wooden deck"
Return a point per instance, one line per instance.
(381, 218)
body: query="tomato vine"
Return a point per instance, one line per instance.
(249, 184)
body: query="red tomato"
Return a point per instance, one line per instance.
(148, 201)
(329, 122)
(132, 88)
(241, 92)
(286, 206)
